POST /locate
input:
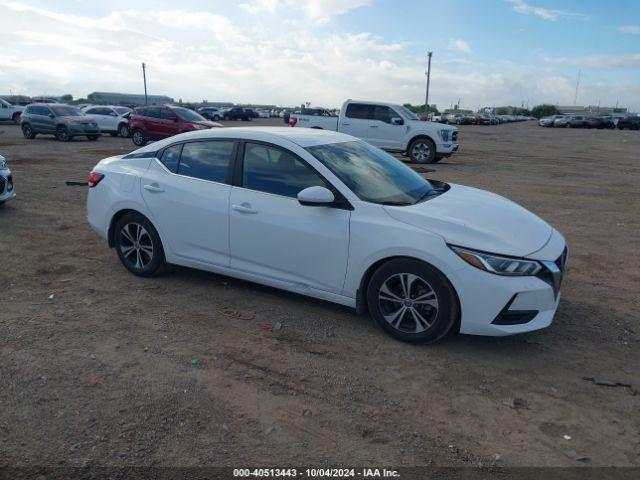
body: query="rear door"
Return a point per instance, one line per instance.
(382, 132)
(356, 120)
(273, 235)
(187, 191)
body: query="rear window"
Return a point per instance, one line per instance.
(206, 160)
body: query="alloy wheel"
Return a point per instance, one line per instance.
(136, 245)
(138, 138)
(408, 303)
(124, 131)
(62, 134)
(421, 152)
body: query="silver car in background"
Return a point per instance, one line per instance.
(6, 182)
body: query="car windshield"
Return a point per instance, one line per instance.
(373, 175)
(122, 110)
(407, 113)
(189, 115)
(66, 111)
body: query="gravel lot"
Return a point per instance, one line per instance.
(96, 364)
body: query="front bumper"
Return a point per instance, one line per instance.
(7, 191)
(447, 149)
(497, 305)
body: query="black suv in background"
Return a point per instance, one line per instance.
(62, 121)
(632, 123)
(239, 113)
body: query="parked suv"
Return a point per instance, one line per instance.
(157, 122)
(632, 123)
(239, 113)
(110, 118)
(62, 121)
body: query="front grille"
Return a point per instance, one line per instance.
(2, 185)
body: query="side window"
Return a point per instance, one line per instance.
(206, 160)
(171, 157)
(272, 170)
(153, 112)
(92, 111)
(167, 114)
(383, 113)
(29, 110)
(360, 111)
(141, 111)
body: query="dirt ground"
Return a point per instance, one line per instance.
(96, 364)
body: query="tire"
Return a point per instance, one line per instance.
(216, 117)
(139, 138)
(28, 132)
(138, 245)
(123, 130)
(16, 118)
(93, 138)
(398, 314)
(422, 150)
(62, 134)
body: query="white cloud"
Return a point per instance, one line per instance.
(318, 12)
(633, 29)
(598, 61)
(521, 6)
(196, 55)
(459, 45)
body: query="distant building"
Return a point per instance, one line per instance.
(112, 98)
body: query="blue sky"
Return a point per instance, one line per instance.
(486, 52)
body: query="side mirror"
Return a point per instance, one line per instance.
(50, 115)
(397, 121)
(316, 197)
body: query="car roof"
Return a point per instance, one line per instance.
(303, 137)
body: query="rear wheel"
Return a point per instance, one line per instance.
(27, 131)
(216, 117)
(412, 301)
(123, 130)
(139, 138)
(422, 150)
(62, 134)
(138, 245)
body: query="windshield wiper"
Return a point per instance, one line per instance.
(434, 192)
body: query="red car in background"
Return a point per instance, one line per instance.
(160, 121)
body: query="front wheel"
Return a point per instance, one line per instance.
(412, 301)
(62, 134)
(422, 150)
(138, 137)
(138, 245)
(28, 132)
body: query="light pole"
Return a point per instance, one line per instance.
(426, 99)
(144, 78)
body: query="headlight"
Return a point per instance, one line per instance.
(496, 264)
(444, 134)
(3, 164)
(200, 127)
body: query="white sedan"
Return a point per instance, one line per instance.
(327, 215)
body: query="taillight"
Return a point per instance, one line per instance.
(94, 179)
(293, 121)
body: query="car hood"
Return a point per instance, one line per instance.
(208, 124)
(477, 219)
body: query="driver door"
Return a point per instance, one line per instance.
(272, 235)
(383, 133)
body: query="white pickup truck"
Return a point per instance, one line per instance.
(387, 126)
(10, 112)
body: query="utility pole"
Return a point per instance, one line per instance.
(575, 98)
(144, 78)
(426, 99)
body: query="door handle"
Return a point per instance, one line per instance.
(244, 208)
(345, 124)
(373, 126)
(153, 188)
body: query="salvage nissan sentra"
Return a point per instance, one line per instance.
(327, 215)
